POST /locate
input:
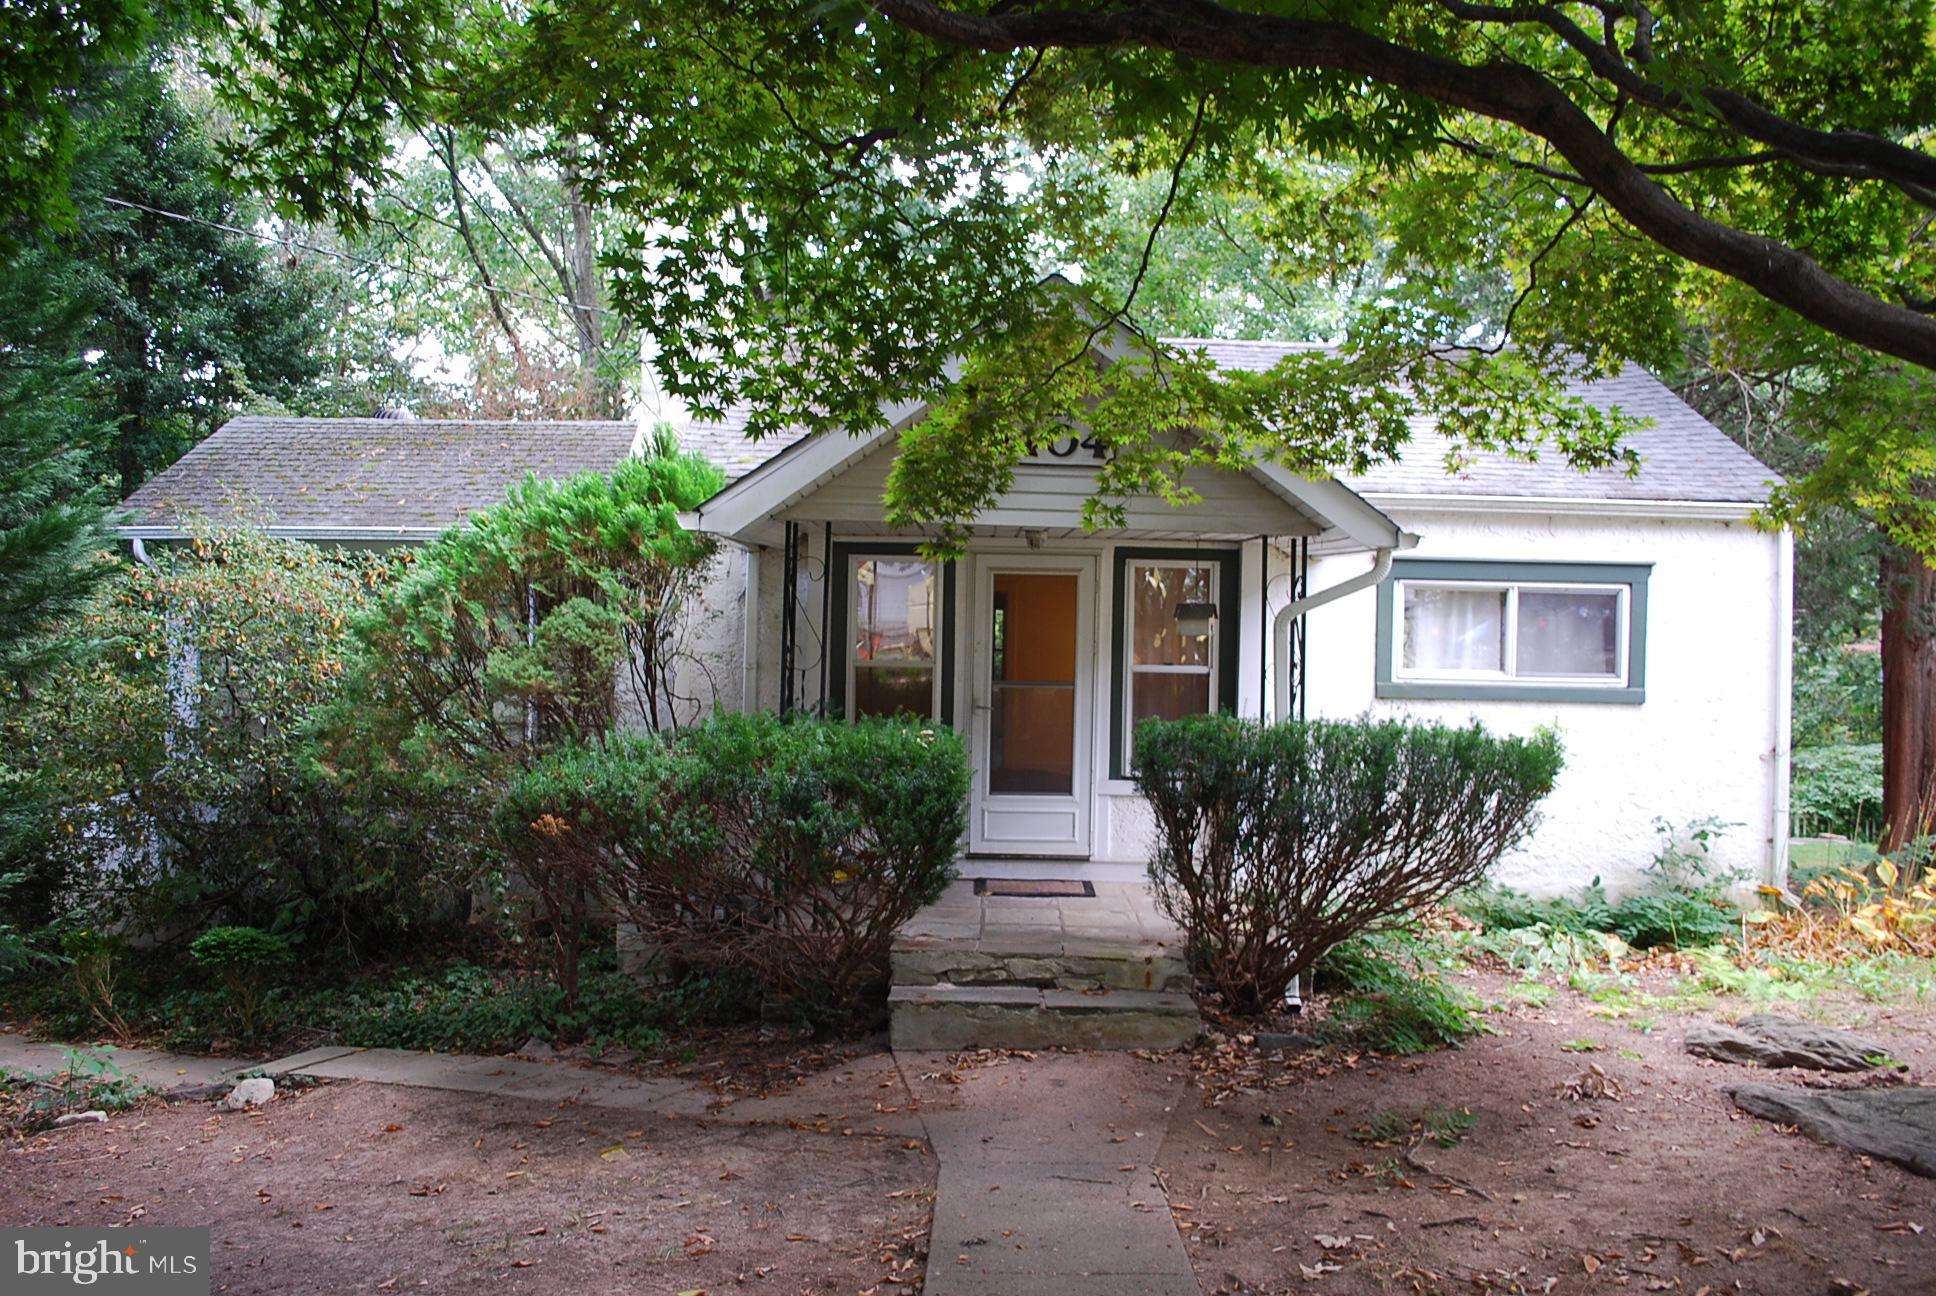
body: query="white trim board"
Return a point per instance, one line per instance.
(1569, 506)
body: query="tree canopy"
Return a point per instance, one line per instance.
(834, 207)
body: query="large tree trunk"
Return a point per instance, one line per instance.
(1908, 696)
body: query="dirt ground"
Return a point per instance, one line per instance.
(360, 1187)
(1297, 1172)
(1286, 1179)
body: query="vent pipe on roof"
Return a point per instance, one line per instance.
(657, 406)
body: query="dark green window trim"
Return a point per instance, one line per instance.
(1229, 613)
(1633, 575)
(836, 629)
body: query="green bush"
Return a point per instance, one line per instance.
(789, 849)
(546, 622)
(169, 781)
(1275, 843)
(245, 959)
(1838, 698)
(1837, 790)
(1683, 906)
(1502, 908)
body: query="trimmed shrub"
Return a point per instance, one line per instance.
(792, 850)
(244, 958)
(1275, 843)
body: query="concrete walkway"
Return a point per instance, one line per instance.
(1047, 1177)
(830, 1098)
(146, 1067)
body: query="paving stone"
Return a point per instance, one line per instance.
(1025, 1150)
(148, 1068)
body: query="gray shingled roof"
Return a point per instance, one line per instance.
(408, 477)
(725, 443)
(413, 478)
(1683, 456)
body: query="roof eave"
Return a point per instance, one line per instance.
(1568, 506)
(318, 533)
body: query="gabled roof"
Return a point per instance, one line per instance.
(366, 478)
(404, 479)
(1683, 456)
(751, 508)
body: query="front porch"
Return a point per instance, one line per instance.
(1043, 644)
(1094, 967)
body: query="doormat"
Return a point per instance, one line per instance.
(1040, 887)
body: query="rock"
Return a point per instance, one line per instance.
(536, 1048)
(1271, 1041)
(80, 1118)
(1897, 1124)
(252, 1092)
(1768, 1041)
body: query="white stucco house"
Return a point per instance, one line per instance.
(1646, 618)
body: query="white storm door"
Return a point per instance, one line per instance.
(1032, 704)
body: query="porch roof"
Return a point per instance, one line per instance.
(838, 479)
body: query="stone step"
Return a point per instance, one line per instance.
(947, 1016)
(1069, 966)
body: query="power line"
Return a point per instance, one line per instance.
(259, 236)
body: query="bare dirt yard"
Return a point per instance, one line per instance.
(1508, 1165)
(1329, 1174)
(362, 1187)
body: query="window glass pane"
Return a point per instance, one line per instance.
(1454, 629)
(1154, 640)
(1167, 696)
(894, 602)
(893, 690)
(1569, 632)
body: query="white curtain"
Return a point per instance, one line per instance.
(1454, 629)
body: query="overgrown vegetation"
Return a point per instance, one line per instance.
(1389, 993)
(283, 766)
(547, 622)
(1276, 843)
(475, 996)
(1837, 790)
(167, 781)
(89, 1080)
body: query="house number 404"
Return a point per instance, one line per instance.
(1069, 447)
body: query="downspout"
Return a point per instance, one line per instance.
(1381, 565)
(749, 677)
(1782, 709)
